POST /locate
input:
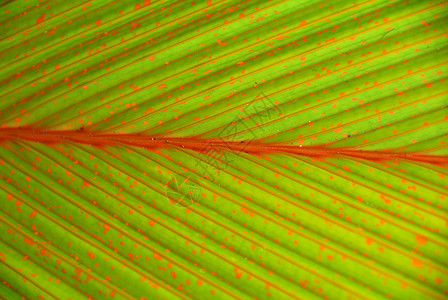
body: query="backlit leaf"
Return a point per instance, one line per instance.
(278, 149)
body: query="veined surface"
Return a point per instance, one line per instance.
(80, 221)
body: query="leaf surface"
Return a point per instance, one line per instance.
(230, 149)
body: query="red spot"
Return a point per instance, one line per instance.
(151, 58)
(151, 223)
(106, 227)
(302, 23)
(162, 86)
(421, 240)
(32, 214)
(18, 203)
(56, 67)
(28, 241)
(85, 87)
(237, 274)
(244, 210)
(98, 22)
(157, 256)
(173, 274)
(137, 6)
(91, 255)
(40, 19)
(417, 263)
(146, 2)
(303, 58)
(429, 84)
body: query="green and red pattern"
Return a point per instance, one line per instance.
(254, 149)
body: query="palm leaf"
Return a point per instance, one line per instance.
(231, 149)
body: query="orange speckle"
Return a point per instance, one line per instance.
(173, 274)
(32, 214)
(137, 6)
(429, 84)
(417, 263)
(244, 210)
(56, 67)
(438, 280)
(151, 57)
(302, 23)
(162, 86)
(421, 240)
(40, 19)
(98, 22)
(237, 274)
(29, 241)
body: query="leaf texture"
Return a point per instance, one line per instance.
(210, 217)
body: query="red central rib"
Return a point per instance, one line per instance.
(206, 145)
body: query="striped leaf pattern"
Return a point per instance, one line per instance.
(82, 218)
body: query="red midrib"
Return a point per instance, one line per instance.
(206, 145)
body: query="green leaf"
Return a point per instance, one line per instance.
(227, 149)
